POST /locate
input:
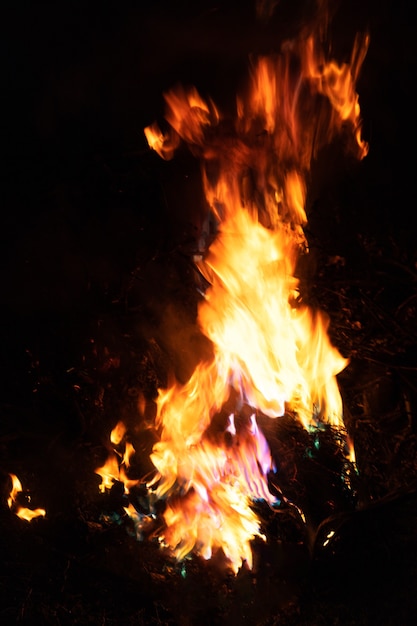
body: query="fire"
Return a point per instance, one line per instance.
(113, 469)
(271, 353)
(13, 504)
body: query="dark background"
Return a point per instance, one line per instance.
(98, 307)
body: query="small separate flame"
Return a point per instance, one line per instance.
(272, 354)
(21, 511)
(118, 433)
(114, 468)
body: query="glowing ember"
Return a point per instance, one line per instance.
(21, 511)
(272, 353)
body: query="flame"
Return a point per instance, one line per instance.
(109, 472)
(271, 353)
(113, 469)
(30, 514)
(16, 489)
(21, 511)
(117, 434)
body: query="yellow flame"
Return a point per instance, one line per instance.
(117, 434)
(109, 472)
(113, 469)
(271, 353)
(30, 514)
(21, 511)
(16, 489)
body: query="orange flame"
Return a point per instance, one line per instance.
(117, 434)
(114, 468)
(272, 354)
(21, 511)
